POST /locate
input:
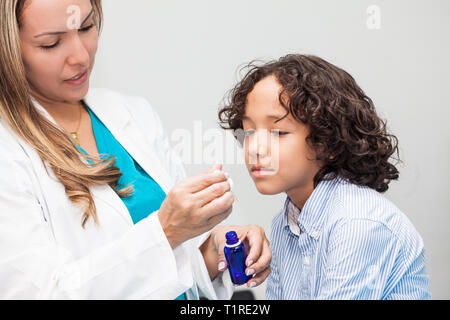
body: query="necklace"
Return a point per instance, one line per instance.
(74, 134)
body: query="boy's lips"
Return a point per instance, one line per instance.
(259, 171)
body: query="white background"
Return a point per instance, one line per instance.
(183, 56)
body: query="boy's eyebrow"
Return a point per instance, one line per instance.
(62, 32)
(270, 116)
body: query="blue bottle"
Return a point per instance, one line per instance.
(235, 255)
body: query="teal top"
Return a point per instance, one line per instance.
(148, 195)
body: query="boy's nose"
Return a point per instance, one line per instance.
(258, 145)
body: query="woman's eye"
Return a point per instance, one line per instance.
(50, 46)
(85, 29)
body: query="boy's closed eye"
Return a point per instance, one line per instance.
(277, 132)
(248, 132)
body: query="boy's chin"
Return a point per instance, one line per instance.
(268, 189)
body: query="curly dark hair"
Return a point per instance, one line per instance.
(344, 129)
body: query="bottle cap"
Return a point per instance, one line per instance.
(231, 237)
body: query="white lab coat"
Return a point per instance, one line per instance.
(46, 254)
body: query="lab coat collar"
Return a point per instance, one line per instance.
(115, 116)
(120, 123)
(106, 108)
(118, 116)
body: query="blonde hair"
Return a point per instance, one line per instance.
(53, 145)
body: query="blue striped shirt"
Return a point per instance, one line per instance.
(347, 242)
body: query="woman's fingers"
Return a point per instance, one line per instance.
(217, 166)
(212, 192)
(215, 220)
(255, 238)
(259, 256)
(258, 263)
(261, 268)
(195, 205)
(259, 278)
(203, 180)
(217, 206)
(257, 246)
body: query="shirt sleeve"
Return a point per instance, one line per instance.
(360, 256)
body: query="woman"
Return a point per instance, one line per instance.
(93, 202)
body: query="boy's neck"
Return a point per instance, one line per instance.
(300, 195)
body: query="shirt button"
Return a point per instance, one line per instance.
(315, 234)
(306, 261)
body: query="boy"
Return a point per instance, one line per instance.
(309, 130)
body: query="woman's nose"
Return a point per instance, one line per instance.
(79, 54)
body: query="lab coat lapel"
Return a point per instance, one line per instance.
(120, 123)
(104, 193)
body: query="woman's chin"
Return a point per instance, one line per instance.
(76, 94)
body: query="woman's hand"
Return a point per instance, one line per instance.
(256, 243)
(195, 206)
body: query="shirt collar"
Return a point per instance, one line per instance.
(313, 214)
